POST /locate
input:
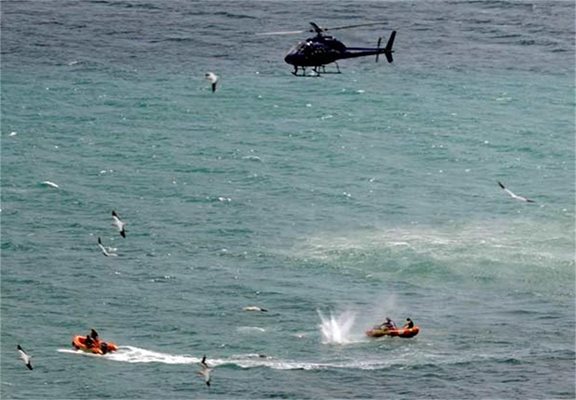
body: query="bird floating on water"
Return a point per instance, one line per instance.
(254, 308)
(213, 79)
(515, 196)
(25, 357)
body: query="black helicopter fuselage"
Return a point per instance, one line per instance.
(321, 50)
(316, 51)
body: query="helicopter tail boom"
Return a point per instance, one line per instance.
(363, 51)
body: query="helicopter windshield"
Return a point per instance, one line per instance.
(301, 46)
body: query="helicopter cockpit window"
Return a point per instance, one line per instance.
(299, 47)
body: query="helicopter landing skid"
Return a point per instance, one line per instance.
(316, 71)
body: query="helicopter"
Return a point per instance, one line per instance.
(320, 50)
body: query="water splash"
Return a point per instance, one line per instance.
(337, 329)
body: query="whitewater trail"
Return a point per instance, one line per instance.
(132, 354)
(336, 329)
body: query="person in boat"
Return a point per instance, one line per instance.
(388, 324)
(94, 335)
(104, 347)
(88, 342)
(409, 324)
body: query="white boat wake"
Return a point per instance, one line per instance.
(132, 354)
(404, 357)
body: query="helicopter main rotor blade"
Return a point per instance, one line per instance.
(279, 33)
(317, 29)
(352, 26)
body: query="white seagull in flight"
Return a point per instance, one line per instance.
(106, 251)
(515, 196)
(205, 371)
(48, 183)
(25, 357)
(119, 224)
(213, 79)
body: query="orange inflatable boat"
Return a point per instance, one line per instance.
(400, 332)
(99, 346)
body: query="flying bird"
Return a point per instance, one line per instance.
(106, 251)
(25, 357)
(213, 79)
(48, 183)
(513, 195)
(254, 308)
(119, 224)
(205, 371)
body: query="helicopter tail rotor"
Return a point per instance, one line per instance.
(388, 49)
(378, 47)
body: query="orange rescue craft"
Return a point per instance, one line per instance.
(400, 332)
(98, 347)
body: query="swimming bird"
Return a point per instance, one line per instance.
(205, 371)
(25, 357)
(213, 79)
(119, 224)
(515, 196)
(106, 251)
(254, 308)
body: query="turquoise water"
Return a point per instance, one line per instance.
(333, 202)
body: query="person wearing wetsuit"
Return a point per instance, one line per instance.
(388, 324)
(88, 342)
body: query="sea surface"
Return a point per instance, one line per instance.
(332, 202)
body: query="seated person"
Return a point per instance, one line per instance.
(388, 324)
(409, 324)
(88, 342)
(94, 335)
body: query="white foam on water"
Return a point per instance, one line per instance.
(132, 354)
(250, 329)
